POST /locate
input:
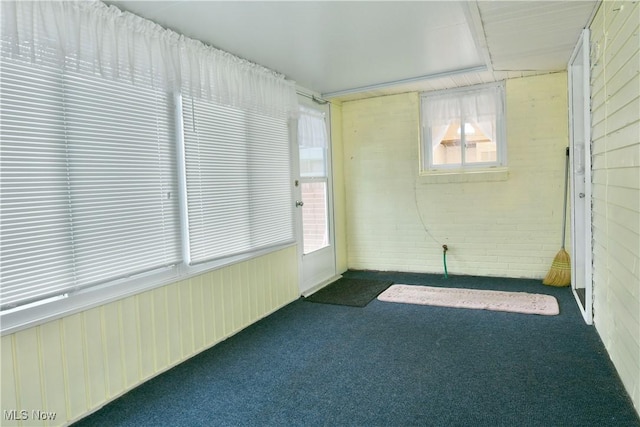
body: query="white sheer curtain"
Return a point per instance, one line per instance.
(312, 129)
(117, 45)
(479, 107)
(120, 45)
(218, 76)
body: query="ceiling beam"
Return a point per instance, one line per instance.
(475, 69)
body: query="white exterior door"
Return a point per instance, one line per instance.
(580, 174)
(314, 195)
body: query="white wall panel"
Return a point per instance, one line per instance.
(615, 105)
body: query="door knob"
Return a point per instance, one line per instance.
(581, 195)
(299, 203)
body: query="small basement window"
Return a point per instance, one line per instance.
(463, 129)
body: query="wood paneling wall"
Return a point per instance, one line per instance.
(74, 365)
(615, 123)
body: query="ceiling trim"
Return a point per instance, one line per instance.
(476, 69)
(474, 19)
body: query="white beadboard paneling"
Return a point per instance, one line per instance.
(615, 40)
(532, 35)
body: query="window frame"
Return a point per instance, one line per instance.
(426, 166)
(74, 301)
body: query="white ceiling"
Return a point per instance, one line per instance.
(367, 48)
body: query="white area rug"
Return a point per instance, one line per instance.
(516, 302)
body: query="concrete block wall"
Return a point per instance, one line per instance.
(496, 223)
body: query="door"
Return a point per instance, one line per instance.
(313, 190)
(580, 173)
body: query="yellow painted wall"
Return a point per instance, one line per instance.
(495, 224)
(339, 202)
(615, 109)
(74, 365)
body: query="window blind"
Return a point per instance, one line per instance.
(88, 181)
(237, 167)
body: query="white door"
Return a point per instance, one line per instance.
(314, 195)
(580, 173)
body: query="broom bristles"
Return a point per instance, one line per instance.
(560, 272)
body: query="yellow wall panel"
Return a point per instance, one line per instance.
(208, 319)
(186, 320)
(247, 296)
(159, 335)
(128, 339)
(76, 378)
(236, 290)
(76, 364)
(28, 369)
(8, 384)
(147, 347)
(228, 308)
(52, 371)
(252, 281)
(217, 303)
(114, 351)
(95, 354)
(197, 313)
(172, 319)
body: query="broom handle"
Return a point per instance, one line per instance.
(566, 185)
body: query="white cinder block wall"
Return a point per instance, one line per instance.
(495, 224)
(615, 106)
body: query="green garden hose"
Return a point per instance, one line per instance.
(444, 260)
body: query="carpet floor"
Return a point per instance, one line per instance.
(392, 365)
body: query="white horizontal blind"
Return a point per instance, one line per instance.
(89, 191)
(36, 253)
(237, 179)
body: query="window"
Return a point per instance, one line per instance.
(463, 128)
(314, 178)
(238, 180)
(112, 182)
(89, 184)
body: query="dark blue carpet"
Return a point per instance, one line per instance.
(392, 365)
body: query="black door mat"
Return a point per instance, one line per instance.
(352, 292)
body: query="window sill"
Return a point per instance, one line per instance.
(455, 176)
(59, 307)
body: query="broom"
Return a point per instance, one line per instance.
(560, 272)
